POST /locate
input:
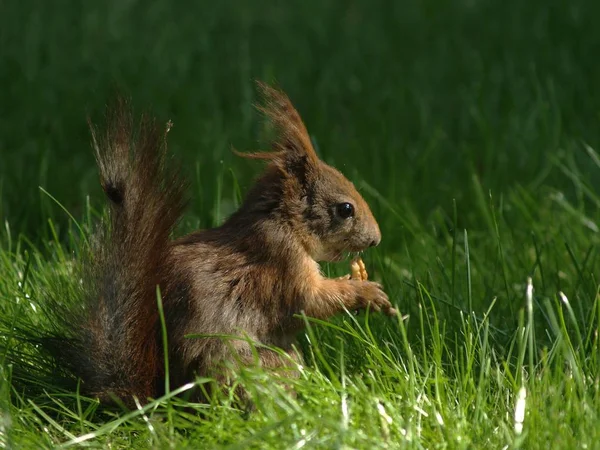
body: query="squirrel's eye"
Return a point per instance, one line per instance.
(345, 210)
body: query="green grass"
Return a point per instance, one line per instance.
(471, 127)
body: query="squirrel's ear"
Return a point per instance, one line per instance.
(293, 142)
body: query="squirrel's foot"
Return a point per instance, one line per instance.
(371, 294)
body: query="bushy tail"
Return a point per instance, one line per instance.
(119, 353)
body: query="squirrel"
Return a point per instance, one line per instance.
(253, 276)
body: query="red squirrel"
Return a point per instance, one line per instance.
(251, 277)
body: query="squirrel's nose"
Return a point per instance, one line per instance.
(374, 235)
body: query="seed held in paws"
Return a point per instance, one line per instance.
(358, 270)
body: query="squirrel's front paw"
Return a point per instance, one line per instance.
(370, 293)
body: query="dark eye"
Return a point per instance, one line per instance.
(345, 210)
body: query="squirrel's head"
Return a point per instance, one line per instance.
(323, 207)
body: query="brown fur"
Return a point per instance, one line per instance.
(119, 332)
(248, 278)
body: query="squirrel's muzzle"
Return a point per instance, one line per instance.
(375, 236)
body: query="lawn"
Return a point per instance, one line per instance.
(472, 129)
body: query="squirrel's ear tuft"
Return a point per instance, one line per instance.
(265, 156)
(293, 140)
(292, 151)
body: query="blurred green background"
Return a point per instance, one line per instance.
(424, 104)
(414, 94)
